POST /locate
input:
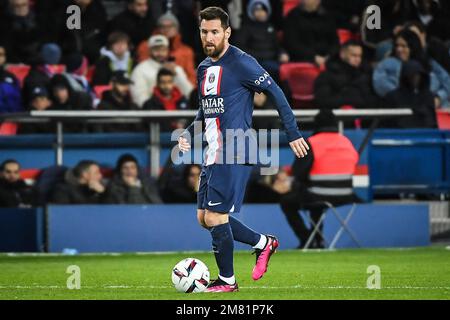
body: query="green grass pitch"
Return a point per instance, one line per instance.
(419, 273)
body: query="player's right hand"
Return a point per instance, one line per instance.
(299, 147)
(183, 144)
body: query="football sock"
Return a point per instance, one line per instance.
(230, 280)
(261, 243)
(223, 246)
(244, 234)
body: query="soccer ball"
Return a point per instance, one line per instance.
(190, 275)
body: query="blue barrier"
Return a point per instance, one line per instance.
(174, 227)
(21, 230)
(410, 161)
(106, 148)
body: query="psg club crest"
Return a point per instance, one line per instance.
(212, 77)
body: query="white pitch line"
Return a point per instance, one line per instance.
(244, 287)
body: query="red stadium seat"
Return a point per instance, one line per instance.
(100, 89)
(19, 70)
(8, 129)
(300, 78)
(443, 119)
(56, 68)
(288, 5)
(90, 73)
(345, 35)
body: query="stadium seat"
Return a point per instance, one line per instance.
(300, 78)
(8, 129)
(345, 35)
(19, 70)
(100, 89)
(56, 68)
(288, 5)
(90, 73)
(443, 119)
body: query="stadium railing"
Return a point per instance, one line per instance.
(153, 118)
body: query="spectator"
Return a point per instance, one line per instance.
(346, 80)
(275, 18)
(116, 56)
(325, 174)
(76, 71)
(166, 96)
(394, 14)
(433, 14)
(413, 92)
(65, 98)
(38, 76)
(10, 95)
(347, 13)
(39, 101)
(136, 21)
(169, 27)
(118, 98)
(51, 53)
(386, 76)
(269, 189)
(433, 46)
(145, 74)
(129, 186)
(90, 37)
(180, 188)
(310, 33)
(20, 30)
(82, 185)
(258, 37)
(14, 192)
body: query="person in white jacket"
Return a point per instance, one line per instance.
(145, 73)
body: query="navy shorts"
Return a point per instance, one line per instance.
(222, 187)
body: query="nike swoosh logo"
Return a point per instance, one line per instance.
(213, 204)
(209, 89)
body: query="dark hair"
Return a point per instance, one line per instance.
(213, 13)
(127, 157)
(351, 43)
(83, 166)
(164, 72)
(415, 23)
(415, 47)
(117, 36)
(8, 161)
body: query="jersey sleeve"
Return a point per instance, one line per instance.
(252, 75)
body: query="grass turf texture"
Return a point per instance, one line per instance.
(420, 273)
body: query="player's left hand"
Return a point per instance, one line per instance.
(299, 147)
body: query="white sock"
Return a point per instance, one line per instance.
(261, 243)
(231, 280)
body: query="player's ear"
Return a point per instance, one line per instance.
(227, 33)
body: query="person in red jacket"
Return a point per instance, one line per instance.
(325, 174)
(167, 96)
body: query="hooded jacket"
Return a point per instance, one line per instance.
(258, 39)
(420, 99)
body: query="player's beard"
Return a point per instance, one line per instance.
(216, 51)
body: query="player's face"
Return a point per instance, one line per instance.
(11, 172)
(213, 37)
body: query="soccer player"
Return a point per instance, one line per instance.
(227, 80)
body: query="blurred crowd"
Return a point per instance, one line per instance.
(140, 54)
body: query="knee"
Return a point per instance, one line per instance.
(213, 219)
